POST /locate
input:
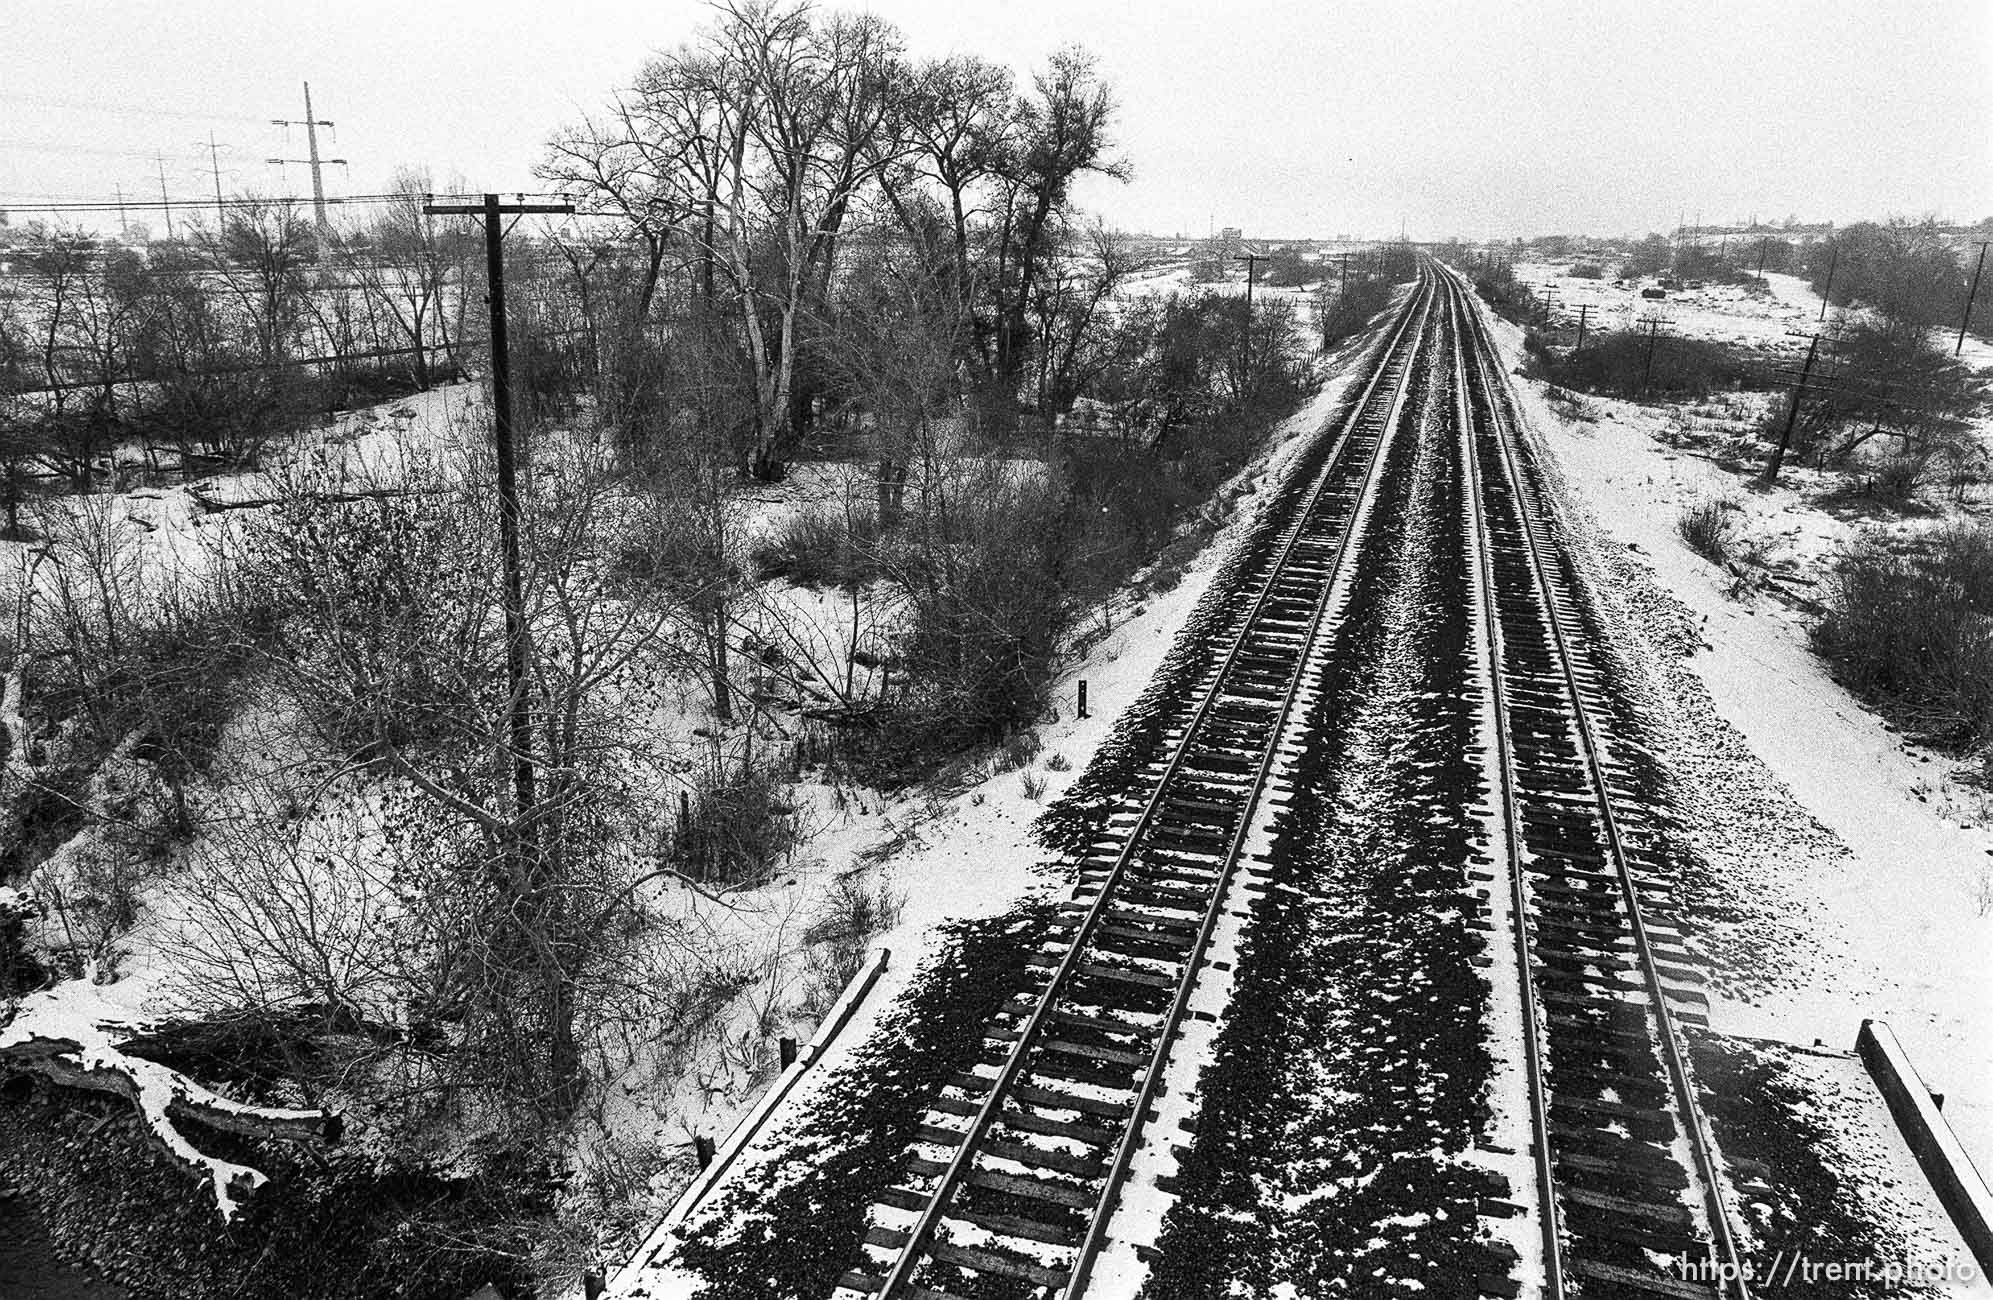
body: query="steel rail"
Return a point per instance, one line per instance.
(1676, 1058)
(1493, 644)
(1418, 309)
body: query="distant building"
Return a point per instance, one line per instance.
(1230, 235)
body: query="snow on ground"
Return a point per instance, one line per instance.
(1725, 313)
(95, 1017)
(175, 522)
(1894, 910)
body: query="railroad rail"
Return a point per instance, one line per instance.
(1037, 1150)
(1630, 1188)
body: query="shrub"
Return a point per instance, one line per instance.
(382, 602)
(1342, 310)
(1507, 296)
(735, 825)
(985, 586)
(1898, 475)
(1912, 629)
(825, 544)
(1705, 525)
(1289, 269)
(843, 925)
(1017, 751)
(1586, 271)
(1620, 365)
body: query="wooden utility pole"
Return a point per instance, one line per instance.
(1791, 414)
(520, 711)
(1970, 294)
(1827, 295)
(1251, 260)
(1653, 324)
(1584, 317)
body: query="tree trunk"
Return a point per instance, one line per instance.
(723, 696)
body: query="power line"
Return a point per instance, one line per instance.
(242, 201)
(112, 204)
(38, 146)
(84, 106)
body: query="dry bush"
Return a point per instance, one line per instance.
(982, 576)
(344, 913)
(850, 915)
(1016, 751)
(387, 632)
(738, 823)
(1912, 628)
(1897, 476)
(825, 544)
(1634, 365)
(1706, 526)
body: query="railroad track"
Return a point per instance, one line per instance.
(1629, 1188)
(1022, 1160)
(1019, 1161)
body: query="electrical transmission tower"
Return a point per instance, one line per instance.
(214, 160)
(311, 125)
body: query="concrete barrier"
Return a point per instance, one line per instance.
(834, 1021)
(1931, 1140)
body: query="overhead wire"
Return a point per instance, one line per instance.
(126, 110)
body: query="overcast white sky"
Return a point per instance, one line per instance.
(1484, 119)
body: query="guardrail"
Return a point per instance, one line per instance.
(660, 1239)
(1945, 1162)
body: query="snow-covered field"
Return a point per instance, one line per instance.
(1725, 313)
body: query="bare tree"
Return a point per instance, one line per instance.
(82, 338)
(21, 441)
(753, 144)
(393, 650)
(898, 336)
(959, 119)
(262, 256)
(1061, 134)
(403, 262)
(1070, 309)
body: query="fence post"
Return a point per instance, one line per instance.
(702, 1151)
(1082, 710)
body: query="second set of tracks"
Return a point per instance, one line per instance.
(1020, 1162)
